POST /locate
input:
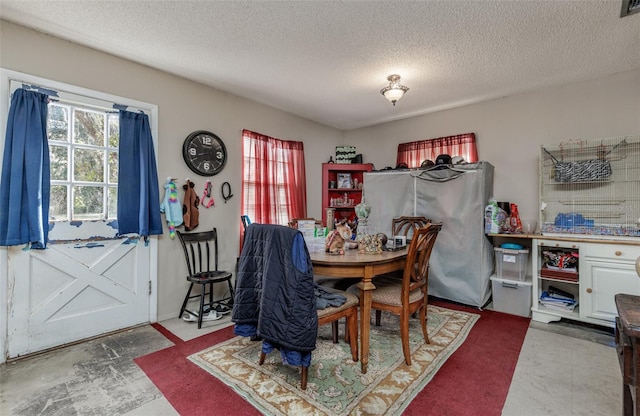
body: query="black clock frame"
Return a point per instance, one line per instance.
(210, 155)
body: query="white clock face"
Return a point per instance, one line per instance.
(204, 153)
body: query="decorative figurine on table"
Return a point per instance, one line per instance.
(369, 244)
(362, 212)
(335, 241)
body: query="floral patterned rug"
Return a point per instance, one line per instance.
(336, 385)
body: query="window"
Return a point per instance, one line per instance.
(414, 153)
(274, 185)
(83, 129)
(83, 150)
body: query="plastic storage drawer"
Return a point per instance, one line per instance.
(510, 296)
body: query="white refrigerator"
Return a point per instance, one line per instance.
(462, 260)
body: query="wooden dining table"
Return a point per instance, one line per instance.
(364, 266)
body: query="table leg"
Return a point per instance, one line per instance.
(365, 318)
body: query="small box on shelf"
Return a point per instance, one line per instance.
(549, 273)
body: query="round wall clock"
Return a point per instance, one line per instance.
(204, 153)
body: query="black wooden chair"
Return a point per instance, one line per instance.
(201, 255)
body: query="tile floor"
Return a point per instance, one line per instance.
(564, 369)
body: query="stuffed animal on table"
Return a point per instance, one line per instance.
(335, 241)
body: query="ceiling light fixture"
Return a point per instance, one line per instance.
(394, 91)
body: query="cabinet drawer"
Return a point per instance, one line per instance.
(610, 251)
(559, 244)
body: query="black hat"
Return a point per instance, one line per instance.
(443, 160)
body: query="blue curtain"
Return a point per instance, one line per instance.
(138, 193)
(24, 189)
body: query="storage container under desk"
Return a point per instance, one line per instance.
(511, 296)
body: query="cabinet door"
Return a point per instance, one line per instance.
(602, 281)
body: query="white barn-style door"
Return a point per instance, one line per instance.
(72, 291)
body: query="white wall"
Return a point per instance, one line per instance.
(509, 131)
(184, 106)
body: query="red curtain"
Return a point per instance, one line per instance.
(414, 153)
(274, 185)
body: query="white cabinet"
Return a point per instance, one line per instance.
(604, 269)
(607, 269)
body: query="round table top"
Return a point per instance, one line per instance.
(352, 256)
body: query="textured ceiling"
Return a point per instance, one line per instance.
(327, 60)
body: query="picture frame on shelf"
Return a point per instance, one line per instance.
(344, 180)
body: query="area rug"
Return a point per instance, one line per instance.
(336, 385)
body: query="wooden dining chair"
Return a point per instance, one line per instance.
(406, 225)
(332, 315)
(349, 310)
(262, 308)
(410, 294)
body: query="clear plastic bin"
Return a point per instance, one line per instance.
(511, 264)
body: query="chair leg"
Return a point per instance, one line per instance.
(404, 335)
(186, 299)
(202, 295)
(303, 376)
(378, 315)
(230, 302)
(423, 322)
(334, 331)
(352, 322)
(303, 379)
(347, 329)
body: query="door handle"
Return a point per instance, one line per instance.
(638, 266)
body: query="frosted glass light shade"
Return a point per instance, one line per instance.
(394, 91)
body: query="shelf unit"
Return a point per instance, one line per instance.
(330, 172)
(604, 269)
(543, 278)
